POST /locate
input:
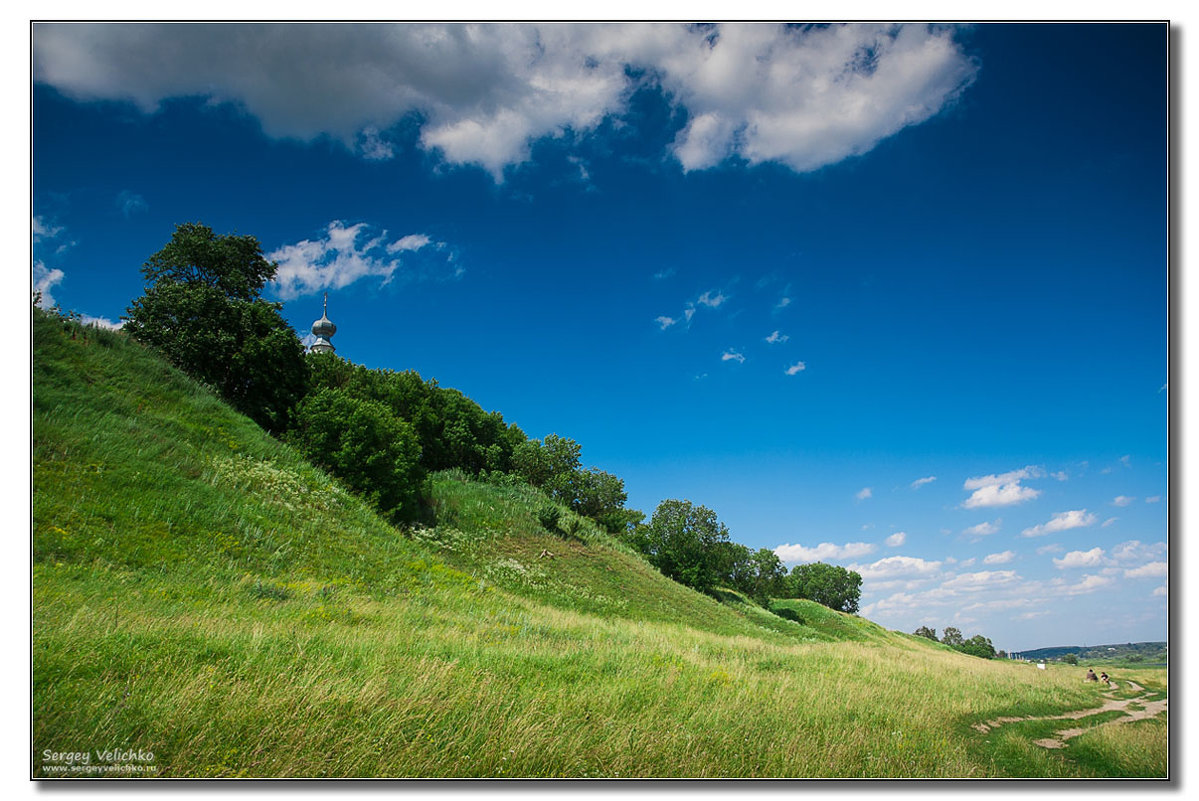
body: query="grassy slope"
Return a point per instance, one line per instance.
(202, 592)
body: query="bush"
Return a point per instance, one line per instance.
(362, 443)
(788, 613)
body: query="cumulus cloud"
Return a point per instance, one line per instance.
(710, 300)
(796, 368)
(897, 539)
(44, 281)
(999, 558)
(1091, 558)
(777, 336)
(665, 322)
(794, 554)
(1137, 551)
(1061, 521)
(803, 97)
(983, 529)
(1122, 500)
(892, 567)
(1088, 584)
(863, 493)
(345, 254)
(920, 482)
(1004, 489)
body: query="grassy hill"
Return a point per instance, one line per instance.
(203, 594)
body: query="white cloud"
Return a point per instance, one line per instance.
(863, 493)
(777, 336)
(896, 567)
(44, 281)
(1153, 499)
(1001, 558)
(131, 203)
(1051, 548)
(710, 300)
(920, 482)
(1137, 551)
(796, 368)
(782, 304)
(897, 539)
(792, 554)
(732, 355)
(1061, 521)
(1060, 475)
(100, 322)
(1087, 584)
(1091, 558)
(982, 529)
(665, 322)
(1151, 570)
(1162, 590)
(983, 580)
(344, 255)
(801, 97)
(1122, 500)
(1001, 490)
(1108, 522)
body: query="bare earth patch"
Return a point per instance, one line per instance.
(1144, 709)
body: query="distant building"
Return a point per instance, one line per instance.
(323, 329)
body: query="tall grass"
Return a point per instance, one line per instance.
(202, 593)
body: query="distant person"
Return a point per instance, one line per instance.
(1091, 675)
(1103, 678)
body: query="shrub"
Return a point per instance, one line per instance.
(548, 516)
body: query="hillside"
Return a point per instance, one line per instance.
(203, 594)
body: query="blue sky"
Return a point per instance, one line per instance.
(888, 297)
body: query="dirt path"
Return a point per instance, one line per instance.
(1146, 709)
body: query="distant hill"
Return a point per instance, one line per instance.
(1149, 652)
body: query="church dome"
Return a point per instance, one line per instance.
(322, 329)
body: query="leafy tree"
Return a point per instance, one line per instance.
(598, 494)
(362, 443)
(202, 309)
(830, 585)
(952, 637)
(683, 541)
(979, 646)
(926, 632)
(768, 578)
(1070, 659)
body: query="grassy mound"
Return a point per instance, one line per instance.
(202, 594)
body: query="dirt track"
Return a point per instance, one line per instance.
(1147, 709)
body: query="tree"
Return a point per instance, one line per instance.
(1070, 659)
(952, 637)
(979, 646)
(683, 541)
(363, 444)
(926, 632)
(202, 309)
(830, 585)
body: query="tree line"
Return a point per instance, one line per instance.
(383, 432)
(978, 645)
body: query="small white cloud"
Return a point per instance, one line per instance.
(983, 529)
(792, 554)
(1108, 522)
(1126, 460)
(1122, 500)
(44, 281)
(999, 558)
(1153, 499)
(372, 146)
(920, 482)
(665, 322)
(796, 368)
(777, 336)
(710, 300)
(345, 254)
(1160, 591)
(1061, 521)
(731, 355)
(1050, 548)
(1060, 475)
(891, 567)
(863, 493)
(1004, 489)
(1088, 584)
(1137, 551)
(897, 539)
(1151, 570)
(100, 322)
(1091, 558)
(782, 304)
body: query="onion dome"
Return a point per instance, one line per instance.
(322, 329)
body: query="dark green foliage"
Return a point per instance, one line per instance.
(788, 613)
(830, 585)
(453, 431)
(202, 310)
(361, 442)
(1070, 659)
(926, 632)
(979, 646)
(684, 542)
(952, 637)
(548, 516)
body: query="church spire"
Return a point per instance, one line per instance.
(323, 329)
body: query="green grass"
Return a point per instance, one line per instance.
(201, 592)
